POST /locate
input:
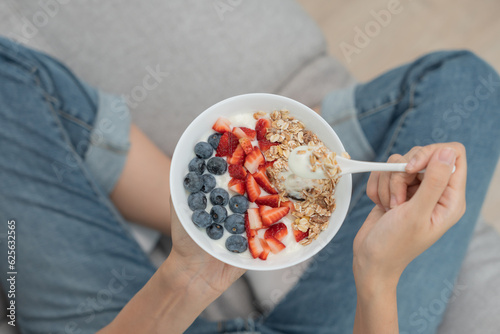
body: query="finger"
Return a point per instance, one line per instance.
(416, 157)
(383, 190)
(372, 187)
(459, 178)
(410, 191)
(399, 182)
(420, 156)
(436, 178)
(398, 187)
(385, 181)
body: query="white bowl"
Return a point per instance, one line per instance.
(244, 104)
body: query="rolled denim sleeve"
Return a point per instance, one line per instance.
(339, 110)
(109, 141)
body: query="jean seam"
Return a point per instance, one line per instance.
(404, 116)
(74, 120)
(377, 109)
(110, 147)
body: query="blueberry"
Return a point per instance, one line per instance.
(197, 201)
(201, 218)
(197, 165)
(236, 244)
(209, 183)
(214, 140)
(218, 213)
(215, 231)
(217, 165)
(238, 204)
(193, 182)
(219, 196)
(235, 224)
(203, 150)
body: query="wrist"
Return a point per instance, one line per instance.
(374, 281)
(188, 276)
(376, 307)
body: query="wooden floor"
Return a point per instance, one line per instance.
(413, 28)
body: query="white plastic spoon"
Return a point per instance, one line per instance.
(300, 165)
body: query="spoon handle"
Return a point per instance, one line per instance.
(354, 166)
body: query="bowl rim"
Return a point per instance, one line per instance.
(176, 170)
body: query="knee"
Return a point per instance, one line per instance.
(468, 75)
(463, 80)
(471, 67)
(14, 65)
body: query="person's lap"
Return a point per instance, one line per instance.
(77, 265)
(82, 266)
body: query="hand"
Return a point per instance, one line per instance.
(184, 285)
(413, 210)
(198, 265)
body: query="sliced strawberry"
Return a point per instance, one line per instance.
(254, 221)
(270, 217)
(275, 245)
(265, 249)
(246, 144)
(227, 145)
(278, 231)
(237, 185)
(255, 246)
(222, 125)
(263, 208)
(250, 231)
(261, 178)
(261, 128)
(254, 160)
(238, 132)
(269, 200)
(299, 235)
(242, 132)
(253, 189)
(249, 132)
(238, 157)
(237, 171)
(265, 144)
(288, 204)
(268, 164)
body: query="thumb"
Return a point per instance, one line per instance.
(436, 178)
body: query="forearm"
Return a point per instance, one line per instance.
(142, 192)
(376, 309)
(168, 303)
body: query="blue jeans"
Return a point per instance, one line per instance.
(63, 145)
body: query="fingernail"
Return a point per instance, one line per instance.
(394, 202)
(447, 155)
(411, 164)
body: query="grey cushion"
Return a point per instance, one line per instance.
(475, 303)
(259, 46)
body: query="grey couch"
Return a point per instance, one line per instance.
(202, 52)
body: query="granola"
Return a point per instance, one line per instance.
(316, 204)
